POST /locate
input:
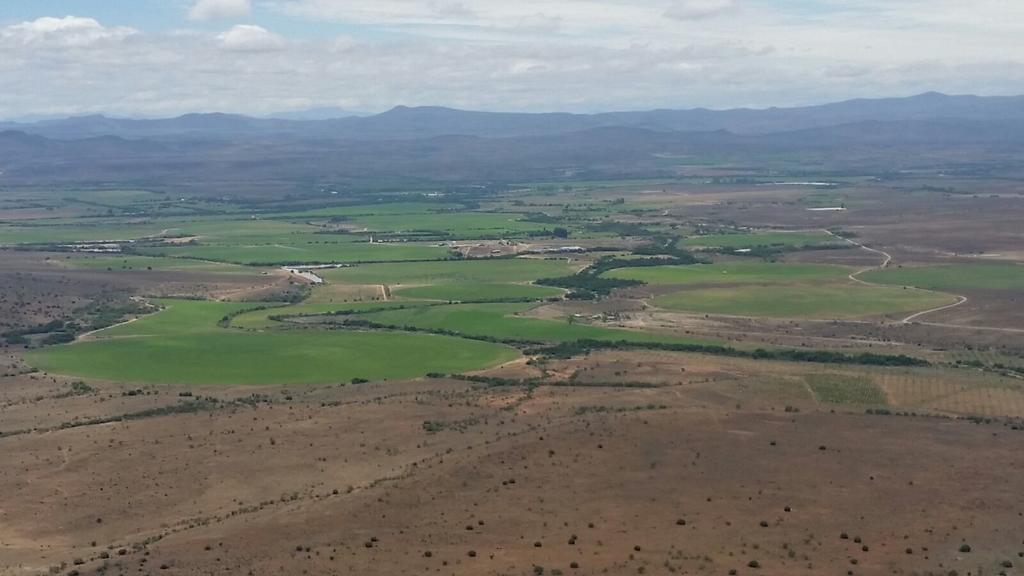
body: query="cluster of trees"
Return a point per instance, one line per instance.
(493, 381)
(620, 228)
(589, 284)
(20, 335)
(580, 347)
(585, 286)
(772, 251)
(668, 246)
(60, 331)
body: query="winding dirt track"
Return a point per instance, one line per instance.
(887, 259)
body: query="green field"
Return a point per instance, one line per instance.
(132, 262)
(183, 344)
(827, 301)
(14, 234)
(260, 319)
(952, 277)
(731, 273)
(210, 230)
(759, 239)
(290, 251)
(460, 224)
(452, 271)
(479, 292)
(499, 321)
(392, 208)
(842, 389)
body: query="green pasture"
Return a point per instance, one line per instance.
(500, 321)
(826, 301)
(732, 273)
(459, 224)
(389, 209)
(497, 271)
(324, 249)
(212, 230)
(843, 389)
(260, 318)
(479, 292)
(133, 262)
(183, 344)
(952, 277)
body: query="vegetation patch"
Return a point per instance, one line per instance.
(479, 292)
(952, 277)
(731, 273)
(492, 271)
(499, 322)
(305, 252)
(581, 347)
(183, 344)
(834, 300)
(843, 389)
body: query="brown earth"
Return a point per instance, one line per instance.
(34, 289)
(437, 476)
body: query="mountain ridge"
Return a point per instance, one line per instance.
(414, 122)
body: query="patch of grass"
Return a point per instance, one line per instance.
(178, 317)
(263, 318)
(450, 272)
(213, 230)
(390, 209)
(183, 344)
(132, 262)
(459, 224)
(479, 292)
(952, 277)
(835, 300)
(322, 248)
(843, 389)
(731, 273)
(498, 321)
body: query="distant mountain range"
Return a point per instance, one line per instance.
(230, 154)
(427, 122)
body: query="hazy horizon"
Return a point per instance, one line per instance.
(159, 58)
(321, 113)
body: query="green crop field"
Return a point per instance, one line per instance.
(132, 262)
(760, 239)
(183, 344)
(462, 224)
(209, 230)
(452, 271)
(952, 277)
(45, 234)
(298, 252)
(732, 273)
(479, 292)
(392, 208)
(826, 301)
(260, 318)
(499, 321)
(842, 389)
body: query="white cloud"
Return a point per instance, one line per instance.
(216, 9)
(576, 55)
(69, 31)
(250, 38)
(699, 9)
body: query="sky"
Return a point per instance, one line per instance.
(159, 58)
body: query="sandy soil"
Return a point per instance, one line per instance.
(616, 480)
